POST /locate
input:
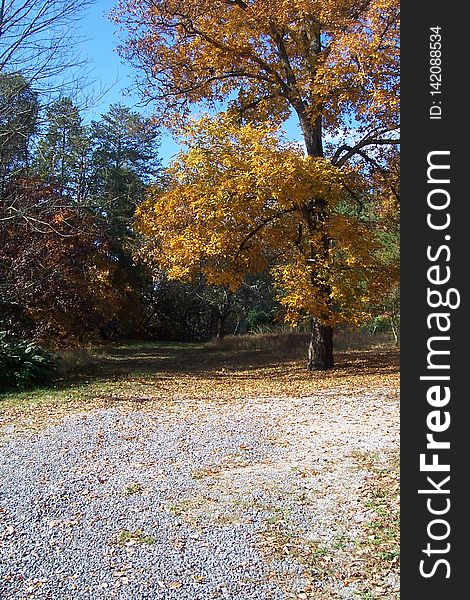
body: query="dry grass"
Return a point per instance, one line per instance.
(283, 343)
(76, 360)
(295, 343)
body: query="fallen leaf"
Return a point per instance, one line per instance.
(174, 585)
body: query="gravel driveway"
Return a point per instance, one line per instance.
(212, 500)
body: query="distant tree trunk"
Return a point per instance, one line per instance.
(221, 327)
(320, 350)
(240, 327)
(395, 328)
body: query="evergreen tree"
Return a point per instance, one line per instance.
(19, 109)
(125, 161)
(63, 152)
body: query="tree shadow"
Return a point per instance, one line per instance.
(159, 361)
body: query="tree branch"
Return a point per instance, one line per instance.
(260, 226)
(339, 159)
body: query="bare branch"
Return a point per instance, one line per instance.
(373, 138)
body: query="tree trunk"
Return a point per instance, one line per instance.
(320, 350)
(221, 327)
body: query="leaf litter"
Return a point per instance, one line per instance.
(295, 461)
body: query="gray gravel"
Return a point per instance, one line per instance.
(139, 505)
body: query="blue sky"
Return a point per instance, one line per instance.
(113, 78)
(110, 72)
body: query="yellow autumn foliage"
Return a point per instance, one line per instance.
(237, 205)
(241, 199)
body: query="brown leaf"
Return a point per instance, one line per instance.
(174, 585)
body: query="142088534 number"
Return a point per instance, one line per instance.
(435, 62)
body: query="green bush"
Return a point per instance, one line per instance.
(257, 317)
(23, 364)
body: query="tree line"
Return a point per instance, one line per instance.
(70, 268)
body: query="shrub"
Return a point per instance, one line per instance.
(23, 364)
(73, 361)
(257, 317)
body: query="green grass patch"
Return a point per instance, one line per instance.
(129, 538)
(133, 488)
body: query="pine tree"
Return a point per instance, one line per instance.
(124, 161)
(19, 107)
(63, 151)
